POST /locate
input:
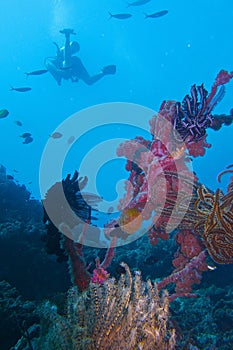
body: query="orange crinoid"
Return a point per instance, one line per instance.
(215, 211)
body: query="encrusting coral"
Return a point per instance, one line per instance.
(124, 314)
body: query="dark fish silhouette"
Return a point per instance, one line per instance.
(138, 3)
(156, 14)
(20, 89)
(56, 135)
(36, 72)
(3, 113)
(71, 140)
(120, 15)
(27, 140)
(10, 177)
(26, 134)
(18, 122)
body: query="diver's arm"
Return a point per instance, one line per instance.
(58, 61)
(57, 47)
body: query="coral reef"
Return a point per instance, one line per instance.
(23, 260)
(211, 321)
(190, 231)
(128, 314)
(16, 315)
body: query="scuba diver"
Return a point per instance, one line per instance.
(69, 67)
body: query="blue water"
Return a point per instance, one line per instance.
(156, 59)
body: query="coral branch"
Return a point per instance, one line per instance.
(185, 278)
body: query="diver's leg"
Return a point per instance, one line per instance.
(89, 80)
(80, 72)
(56, 73)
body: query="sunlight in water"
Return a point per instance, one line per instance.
(60, 16)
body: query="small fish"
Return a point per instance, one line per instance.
(16, 171)
(3, 113)
(211, 268)
(10, 177)
(120, 15)
(110, 210)
(70, 140)
(26, 134)
(27, 140)
(138, 3)
(56, 135)
(20, 89)
(156, 14)
(36, 72)
(18, 122)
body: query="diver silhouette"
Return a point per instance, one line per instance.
(65, 65)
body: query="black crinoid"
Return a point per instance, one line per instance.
(64, 203)
(193, 116)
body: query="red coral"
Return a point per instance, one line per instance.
(154, 233)
(189, 274)
(157, 168)
(190, 244)
(100, 275)
(222, 78)
(198, 148)
(77, 265)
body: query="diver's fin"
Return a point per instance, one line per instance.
(67, 31)
(111, 69)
